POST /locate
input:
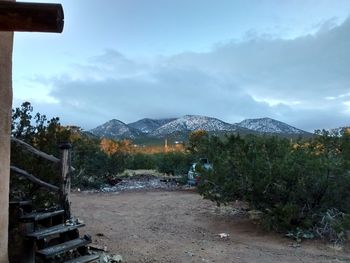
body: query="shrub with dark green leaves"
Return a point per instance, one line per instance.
(142, 161)
(175, 163)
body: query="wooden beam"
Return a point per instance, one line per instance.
(35, 151)
(34, 179)
(31, 17)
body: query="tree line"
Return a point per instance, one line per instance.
(301, 187)
(96, 161)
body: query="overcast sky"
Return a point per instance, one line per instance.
(130, 59)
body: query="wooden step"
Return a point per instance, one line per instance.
(37, 216)
(21, 203)
(84, 259)
(58, 229)
(63, 247)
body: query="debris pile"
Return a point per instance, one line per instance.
(106, 258)
(102, 251)
(145, 181)
(224, 235)
(136, 184)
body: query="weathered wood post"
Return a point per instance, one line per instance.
(6, 43)
(16, 17)
(65, 179)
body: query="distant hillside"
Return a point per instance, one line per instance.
(149, 125)
(116, 129)
(268, 125)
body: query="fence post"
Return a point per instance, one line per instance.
(65, 179)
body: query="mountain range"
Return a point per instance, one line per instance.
(179, 128)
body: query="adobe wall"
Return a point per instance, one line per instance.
(6, 43)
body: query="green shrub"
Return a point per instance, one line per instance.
(142, 161)
(290, 182)
(333, 225)
(94, 167)
(175, 163)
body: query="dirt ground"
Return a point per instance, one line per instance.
(179, 226)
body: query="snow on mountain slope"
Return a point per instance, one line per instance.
(268, 125)
(116, 129)
(192, 123)
(340, 131)
(147, 125)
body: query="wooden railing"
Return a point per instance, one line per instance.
(65, 168)
(35, 151)
(34, 179)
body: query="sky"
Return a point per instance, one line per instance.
(232, 60)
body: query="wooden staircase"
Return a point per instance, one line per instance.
(51, 234)
(49, 237)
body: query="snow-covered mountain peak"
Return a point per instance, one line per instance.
(115, 129)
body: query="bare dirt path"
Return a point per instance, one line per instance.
(179, 226)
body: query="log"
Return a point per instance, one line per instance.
(35, 151)
(34, 179)
(31, 17)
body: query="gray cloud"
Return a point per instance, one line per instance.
(171, 93)
(309, 66)
(303, 81)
